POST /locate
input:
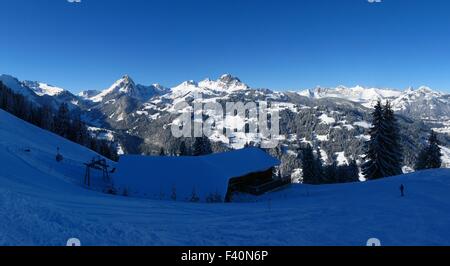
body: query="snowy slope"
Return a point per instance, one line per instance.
(36, 149)
(42, 204)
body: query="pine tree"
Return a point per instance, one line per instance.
(393, 152)
(330, 173)
(162, 152)
(318, 167)
(183, 150)
(62, 121)
(3, 96)
(93, 145)
(202, 146)
(430, 157)
(347, 173)
(47, 118)
(383, 149)
(352, 172)
(79, 130)
(308, 161)
(19, 106)
(371, 169)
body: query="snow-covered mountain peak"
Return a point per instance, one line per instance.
(125, 82)
(226, 83)
(424, 101)
(427, 90)
(185, 89)
(88, 94)
(409, 89)
(11, 82)
(39, 88)
(357, 88)
(42, 89)
(228, 78)
(18, 87)
(125, 85)
(189, 83)
(8, 79)
(421, 92)
(158, 86)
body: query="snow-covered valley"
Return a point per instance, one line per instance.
(42, 202)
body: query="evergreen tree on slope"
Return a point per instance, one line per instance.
(308, 161)
(62, 121)
(430, 156)
(202, 146)
(393, 151)
(318, 167)
(383, 156)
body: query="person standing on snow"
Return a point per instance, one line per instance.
(402, 190)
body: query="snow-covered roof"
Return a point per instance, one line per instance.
(158, 176)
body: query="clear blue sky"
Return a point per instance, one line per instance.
(277, 44)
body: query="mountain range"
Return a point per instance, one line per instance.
(334, 120)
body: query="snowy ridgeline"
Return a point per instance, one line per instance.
(41, 203)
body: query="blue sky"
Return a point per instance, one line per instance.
(282, 44)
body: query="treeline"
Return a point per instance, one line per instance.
(383, 158)
(62, 122)
(197, 147)
(315, 172)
